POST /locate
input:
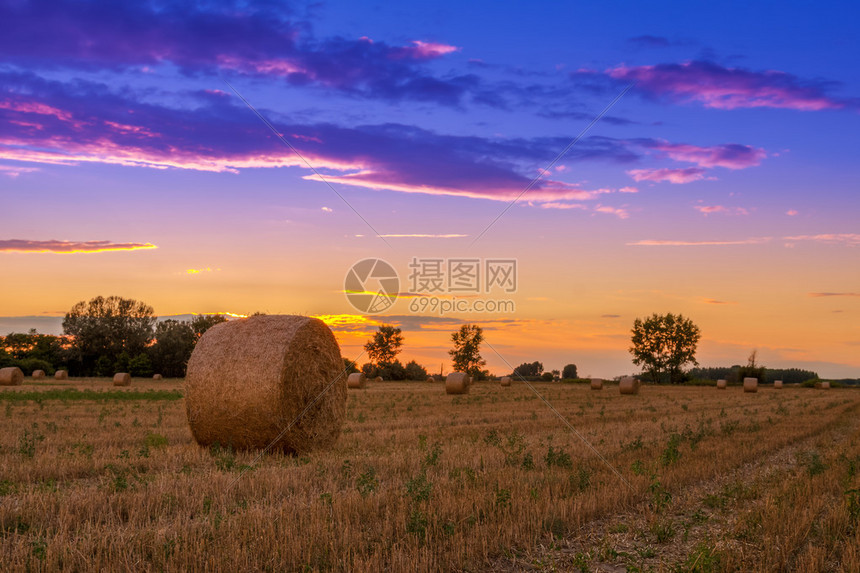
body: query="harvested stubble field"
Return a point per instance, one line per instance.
(97, 478)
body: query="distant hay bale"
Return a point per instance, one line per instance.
(628, 385)
(12, 376)
(378, 379)
(61, 375)
(825, 385)
(505, 381)
(38, 374)
(157, 377)
(597, 383)
(722, 384)
(122, 379)
(777, 384)
(356, 380)
(457, 383)
(267, 380)
(751, 385)
(430, 379)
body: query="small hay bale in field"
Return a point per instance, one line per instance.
(722, 384)
(777, 384)
(430, 379)
(122, 379)
(378, 379)
(157, 377)
(597, 383)
(356, 380)
(61, 375)
(751, 385)
(628, 385)
(267, 380)
(457, 383)
(38, 374)
(825, 385)
(505, 381)
(12, 376)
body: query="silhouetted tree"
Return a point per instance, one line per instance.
(466, 354)
(384, 345)
(663, 344)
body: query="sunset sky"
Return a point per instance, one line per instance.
(722, 185)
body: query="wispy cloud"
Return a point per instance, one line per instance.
(719, 87)
(201, 271)
(829, 294)
(847, 239)
(714, 301)
(14, 171)
(677, 176)
(729, 156)
(657, 243)
(421, 236)
(69, 247)
(711, 209)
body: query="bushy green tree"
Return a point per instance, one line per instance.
(529, 369)
(385, 345)
(174, 343)
(140, 366)
(663, 344)
(107, 327)
(569, 372)
(466, 354)
(415, 371)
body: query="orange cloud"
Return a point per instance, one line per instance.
(69, 247)
(652, 243)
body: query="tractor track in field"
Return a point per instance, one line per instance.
(626, 541)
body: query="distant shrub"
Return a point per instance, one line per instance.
(546, 377)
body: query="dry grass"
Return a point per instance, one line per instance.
(423, 481)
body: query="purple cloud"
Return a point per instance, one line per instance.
(720, 87)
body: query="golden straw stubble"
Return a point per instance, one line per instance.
(250, 380)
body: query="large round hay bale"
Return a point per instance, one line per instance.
(751, 385)
(356, 380)
(61, 375)
(12, 376)
(457, 383)
(267, 380)
(825, 385)
(157, 377)
(38, 374)
(777, 384)
(597, 383)
(122, 379)
(505, 381)
(628, 385)
(722, 384)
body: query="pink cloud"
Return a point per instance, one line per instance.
(14, 171)
(730, 156)
(628, 190)
(791, 212)
(847, 239)
(657, 243)
(559, 205)
(618, 212)
(676, 176)
(710, 209)
(432, 49)
(720, 87)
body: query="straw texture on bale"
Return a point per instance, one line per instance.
(12, 376)
(825, 385)
(506, 381)
(721, 384)
(597, 384)
(777, 384)
(267, 380)
(356, 380)
(38, 374)
(629, 385)
(751, 385)
(457, 383)
(157, 377)
(61, 375)
(122, 379)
